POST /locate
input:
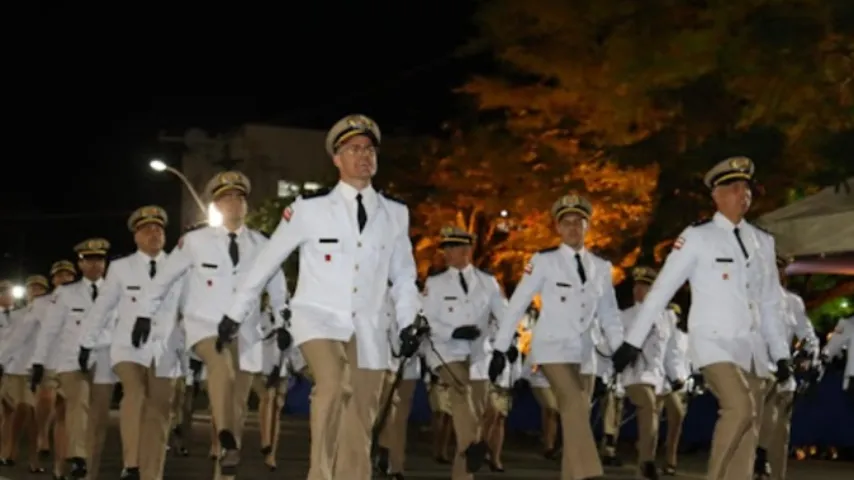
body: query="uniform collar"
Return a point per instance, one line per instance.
(147, 259)
(571, 251)
(221, 230)
(467, 270)
(88, 283)
(349, 192)
(723, 222)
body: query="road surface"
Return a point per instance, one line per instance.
(521, 459)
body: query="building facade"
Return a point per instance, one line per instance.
(274, 158)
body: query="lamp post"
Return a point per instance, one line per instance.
(212, 214)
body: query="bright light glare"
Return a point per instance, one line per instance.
(214, 217)
(157, 165)
(18, 292)
(843, 304)
(504, 213)
(311, 186)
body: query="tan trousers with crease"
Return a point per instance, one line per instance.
(573, 390)
(674, 407)
(87, 415)
(740, 396)
(393, 435)
(144, 417)
(775, 430)
(228, 388)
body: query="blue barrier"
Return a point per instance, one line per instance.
(824, 419)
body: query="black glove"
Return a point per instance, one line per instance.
(624, 356)
(676, 385)
(284, 340)
(83, 359)
(36, 376)
(274, 377)
(496, 365)
(409, 341)
(521, 384)
(141, 331)
(600, 388)
(195, 366)
(466, 332)
(225, 332)
(512, 354)
(784, 370)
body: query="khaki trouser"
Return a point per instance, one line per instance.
(270, 403)
(674, 407)
(182, 410)
(344, 404)
(775, 429)
(646, 412)
(228, 388)
(740, 396)
(463, 414)
(612, 419)
(573, 390)
(87, 414)
(480, 396)
(393, 435)
(144, 417)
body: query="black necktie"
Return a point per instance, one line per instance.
(740, 243)
(152, 268)
(581, 273)
(232, 249)
(361, 213)
(464, 284)
(94, 292)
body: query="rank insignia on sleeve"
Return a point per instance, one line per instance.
(529, 268)
(678, 243)
(181, 242)
(287, 213)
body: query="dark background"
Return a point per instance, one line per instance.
(91, 89)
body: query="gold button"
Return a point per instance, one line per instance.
(357, 267)
(355, 289)
(359, 244)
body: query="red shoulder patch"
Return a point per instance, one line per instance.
(529, 268)
(181, 242)
(287, 213)
(677, 245)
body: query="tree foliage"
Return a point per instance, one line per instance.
(679, 83)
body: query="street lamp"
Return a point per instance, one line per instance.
(18, 292)
(214, 217)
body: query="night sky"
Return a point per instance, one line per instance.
(91, 96)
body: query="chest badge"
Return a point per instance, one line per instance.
(562, 299)
(327, 257)
(210, 283)
(133, 299)
(451, 309)
(77, 322)
(725, 276)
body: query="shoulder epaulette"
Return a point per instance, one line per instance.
(701, 222)
(437, 272)
(320, 192)
(550, 249)
(392, 198)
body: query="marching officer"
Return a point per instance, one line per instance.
(644, 378)
(458, 303)
(578, 300)
(352, 240)
(213, 261)
(87, 393)
(50, 399)
(147, 371)
(773, 450)
(734, 318)
(15, 353)
(843, 338)
(671, 398)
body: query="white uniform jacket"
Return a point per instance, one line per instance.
(202, 255)
(649, 367)
(533, 374)
(797, 324)
(16, 347)
(447, 306)
(343, 274)
(843, 337)
(121, 292)
(571, 310)
(58, 343)
(676, 363)
(734, 314)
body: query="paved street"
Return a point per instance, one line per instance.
(521, 460)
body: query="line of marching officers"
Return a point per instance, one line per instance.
(220, 297)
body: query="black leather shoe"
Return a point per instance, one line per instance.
(77, 467)
(649, 471)
(230, 458)
(475, 456)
